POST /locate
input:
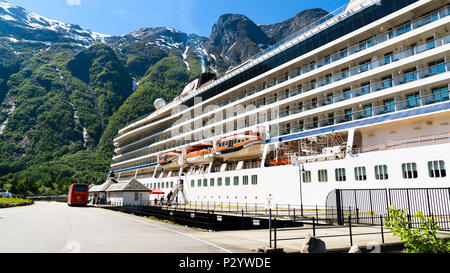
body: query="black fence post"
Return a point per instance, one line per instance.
(242, 219)
(214, 219)
(270, 228)
(350, 229)
(314, 227)
(339, 213)
(382, 230)
(317, 212)
(275, 232)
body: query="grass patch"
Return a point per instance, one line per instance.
(14, 202)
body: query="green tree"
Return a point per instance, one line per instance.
(420, 239)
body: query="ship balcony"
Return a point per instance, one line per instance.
(438, 96)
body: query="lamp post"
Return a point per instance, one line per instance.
(302, 170)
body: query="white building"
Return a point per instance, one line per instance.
(98, 192)
(130, 193)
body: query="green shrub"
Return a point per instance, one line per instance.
(421, 238)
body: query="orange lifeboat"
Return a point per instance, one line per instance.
(199, 154)
(281, 161)
(169, 159)
(241, 146)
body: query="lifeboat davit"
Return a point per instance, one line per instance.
(170, 160)
(199, 154)
(239, 147)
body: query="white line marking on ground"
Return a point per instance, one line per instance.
(184, 234)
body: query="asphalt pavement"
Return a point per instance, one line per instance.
(51, 227)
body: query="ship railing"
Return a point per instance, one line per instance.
(426, 19)
(410, 142)
(369, 112)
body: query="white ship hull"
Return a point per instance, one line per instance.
(285, 185)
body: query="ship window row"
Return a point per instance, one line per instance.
(253, 179)
(435, 67)
(436, 169)
(362, 45)
(160, 185)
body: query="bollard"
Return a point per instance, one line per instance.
(382, 231)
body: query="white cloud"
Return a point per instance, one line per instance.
(73, 2)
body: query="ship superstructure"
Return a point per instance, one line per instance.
(358, 99)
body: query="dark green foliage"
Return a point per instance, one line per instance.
(139, 57)
(42, 149)
(166, 79)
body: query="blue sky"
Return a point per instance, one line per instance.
(116, 17)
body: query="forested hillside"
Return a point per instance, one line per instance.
(65, 91)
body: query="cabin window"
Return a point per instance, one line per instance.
(254, 179)
(227, 181)
(307, 177)
(340, 175)
(211, 182)
(192, 183)
(381, 172)
(199, 182)
(409, 170)
(219, 181)
(437, 169)
(323, 176)
(167, 185)
(236, 180)
(171, 184)
(136, 196)
(205, 182)
(360, 174)
(245, 180)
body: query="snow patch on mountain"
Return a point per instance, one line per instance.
(14, 18)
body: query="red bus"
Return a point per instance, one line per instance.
(78, 195)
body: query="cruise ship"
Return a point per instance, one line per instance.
(357, 100)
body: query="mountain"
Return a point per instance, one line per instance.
(283, 30)
(143, 48)
(235, 38)
(18, 24)
(65, 90)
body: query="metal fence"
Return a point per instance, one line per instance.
(366, 206)
(329, 231)
(205, 219)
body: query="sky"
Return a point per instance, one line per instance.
(116, 17)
